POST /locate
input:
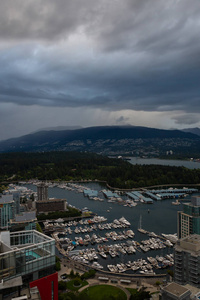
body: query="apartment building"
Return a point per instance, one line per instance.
(187, 260)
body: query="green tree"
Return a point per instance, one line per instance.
(58, 265)
(38, 227)
(71, 274)
(77, 281)
(171, 273)
(62, 285)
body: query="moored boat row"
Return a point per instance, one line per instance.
(141, 266)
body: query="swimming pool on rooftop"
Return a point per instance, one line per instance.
(31, 255)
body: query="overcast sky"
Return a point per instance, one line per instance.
(103, 62)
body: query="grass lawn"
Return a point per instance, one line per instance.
(139, 294)
(104, 292)
(132, 291)
(70, 285)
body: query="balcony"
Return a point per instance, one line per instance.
(178, 268)
(196, 281)
(193, 267)
(178, 280)
(177, 258)
(179, 275)
(194, 275)
(194, 259)
(177, 253)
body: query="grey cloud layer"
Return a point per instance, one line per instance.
(141, 55)
(129, 24)
(186, 119)
(41, 19)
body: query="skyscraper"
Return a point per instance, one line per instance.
(42, 192)
(189, 218)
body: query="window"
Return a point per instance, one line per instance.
(52, 290)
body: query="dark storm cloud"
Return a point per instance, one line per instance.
(55, 82)
(140, 55)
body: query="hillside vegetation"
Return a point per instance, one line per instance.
(68, 166)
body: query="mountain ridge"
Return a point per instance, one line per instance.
(194, 130)
(99, 139)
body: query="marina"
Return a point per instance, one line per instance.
(108, 246)
(120, 238)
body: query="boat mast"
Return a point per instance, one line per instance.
(140, 222)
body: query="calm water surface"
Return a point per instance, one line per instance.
(165, 162)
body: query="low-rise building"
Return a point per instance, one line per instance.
(174, 291)
(24, 221)
(51, 205)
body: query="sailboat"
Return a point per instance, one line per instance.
(140, 226)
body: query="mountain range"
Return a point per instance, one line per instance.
(195, 130)
(108, 140)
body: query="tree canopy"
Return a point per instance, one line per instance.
(68, 166)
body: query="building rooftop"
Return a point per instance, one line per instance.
(194, 290)
(90, 193)
(24, 253)
(25, 216)
(50, 200)
(175, 289)
(195, 202)
(190, 243)
(20, 239)
(6, 199)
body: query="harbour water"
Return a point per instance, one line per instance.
(159, 217)
(166, 162)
